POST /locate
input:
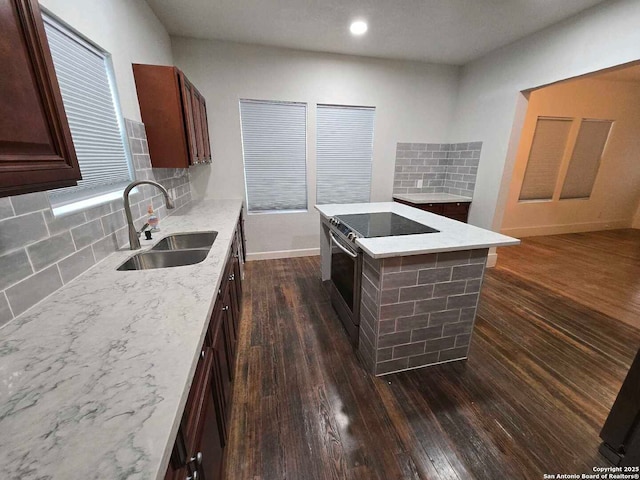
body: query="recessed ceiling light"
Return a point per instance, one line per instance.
(358, 27)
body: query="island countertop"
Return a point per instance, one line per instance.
(94, 379)
(452, 235)
(421, 198)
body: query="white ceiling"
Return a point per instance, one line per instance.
(441, 31)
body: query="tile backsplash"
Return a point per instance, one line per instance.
(39, 252)
(442, 167)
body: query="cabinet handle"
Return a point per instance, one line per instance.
(232, 277)
(193, 476)
(202, 354)
(197, 458)
(225, 308)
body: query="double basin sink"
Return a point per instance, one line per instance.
(173, 251)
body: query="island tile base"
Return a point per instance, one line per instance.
(418, 310)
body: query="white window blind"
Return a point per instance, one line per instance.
(88, 95)
(344, 153)
(274, 146)
(545, 157)
(585, 160)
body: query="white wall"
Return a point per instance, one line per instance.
(127, 29)
(616, 191)
(413, 101)
(489, 98)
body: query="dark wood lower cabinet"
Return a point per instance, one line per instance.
(454, 210)
(198, 453)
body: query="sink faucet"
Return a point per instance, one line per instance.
(134, 236)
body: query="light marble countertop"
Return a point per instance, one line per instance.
(453, 235)
(431, 197)
(94, 378)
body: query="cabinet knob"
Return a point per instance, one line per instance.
(232, 277)
(225, 308)
(193, 476)
(202, 354)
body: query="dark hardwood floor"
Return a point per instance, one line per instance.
(543, 371)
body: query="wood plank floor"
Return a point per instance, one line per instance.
(543, 371)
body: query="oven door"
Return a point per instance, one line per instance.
(346, 271)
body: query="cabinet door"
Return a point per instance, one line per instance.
(205, 129)
(36, 149)
(197, 124)
(222, 367)
(206, 457)
(187, 106)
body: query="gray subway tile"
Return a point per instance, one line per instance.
(389, 296)
(98, 212)
(427, 333)
(396, 310)
(450, 259)
(88, 233)
(473, 286)
(60, 224)
(394, 339)
(408, 350)
(419, 292)
(446, 316)
(113, 221)
(76, 264)
(468, 314)
(104, 247)
(418, 262)
(450, 288)
(6, 209)
(399, 279)
(16, 232)
(386, 326)
(434, 275)
(424, 359)
(27, 293)
(431, 305)
(462, 301)
(453, 354)
(439, 344)
(30, 202)
(385, 354)
(50, 250)
(411, 323)
(14, 266)
(392, 366)
(5, 311)
(453, 329)
(463, 340)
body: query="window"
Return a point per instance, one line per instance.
(545, 157)
(585, 160)
(88, 93)
(344, 153)
(274, 147)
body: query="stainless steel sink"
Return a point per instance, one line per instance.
(186, 241)
(169, 258)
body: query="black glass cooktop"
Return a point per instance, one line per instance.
(383, 224)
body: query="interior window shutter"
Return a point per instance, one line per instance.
(274, 144)
(585, 159)
(88, 97)
(344, 153)
(543, 166)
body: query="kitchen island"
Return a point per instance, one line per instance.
(414, 296)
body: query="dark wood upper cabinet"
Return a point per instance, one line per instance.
(36, 149)
(174, 115)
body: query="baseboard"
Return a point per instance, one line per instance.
(304, 252)
(560, 229)
(492, 259)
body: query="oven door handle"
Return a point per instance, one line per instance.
(344, 249)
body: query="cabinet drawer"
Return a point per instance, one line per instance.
(431, 207)
(457, 208)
